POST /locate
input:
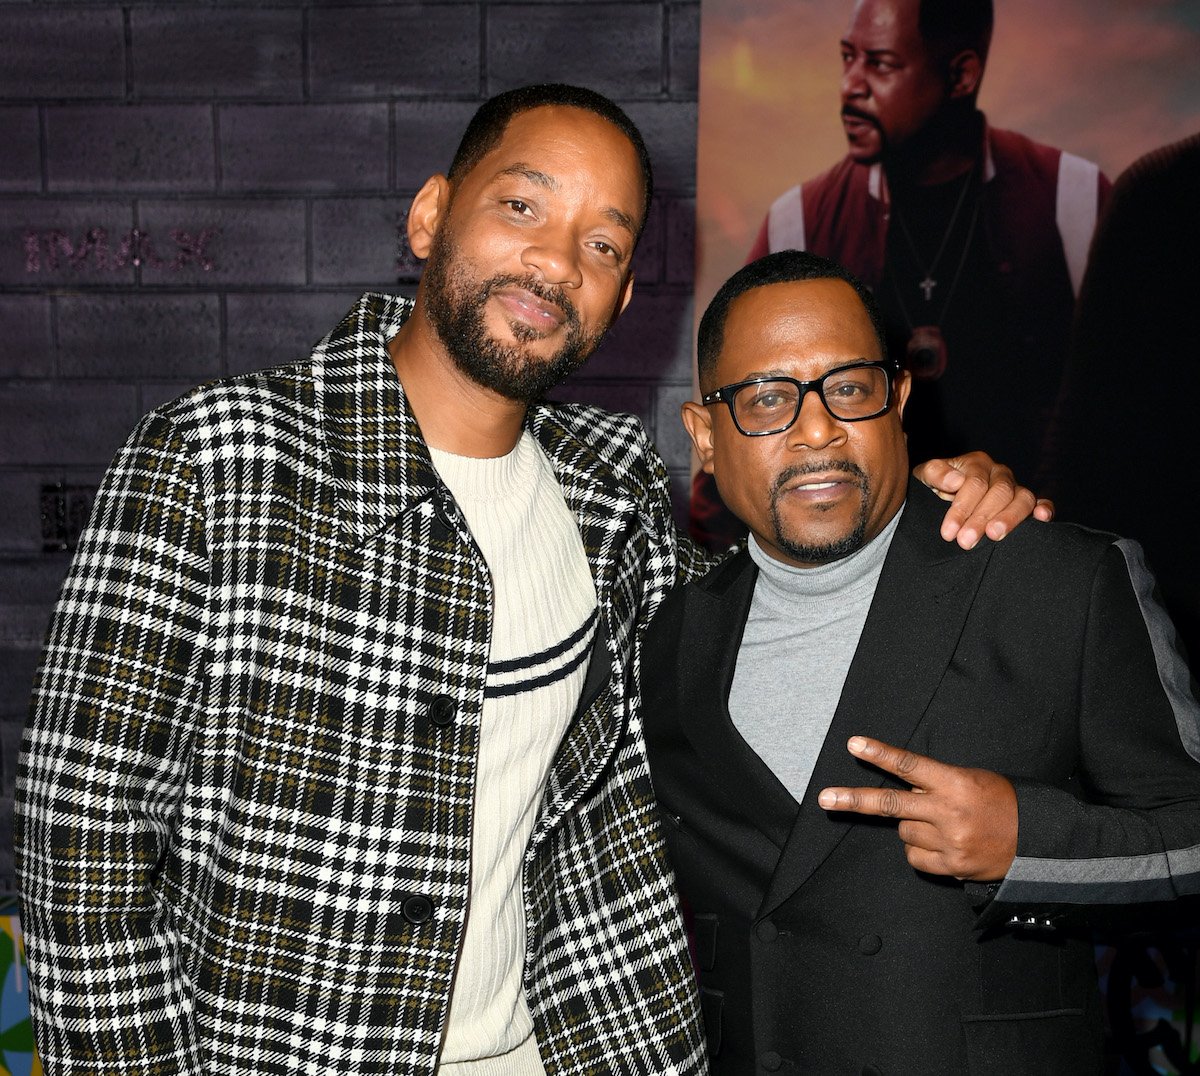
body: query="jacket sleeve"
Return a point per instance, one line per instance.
(102, 773)
(1134, 835)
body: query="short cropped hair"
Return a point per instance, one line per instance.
(492, 118)
(949, 26)
(782, 267)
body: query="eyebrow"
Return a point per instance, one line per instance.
(848, 45)
(780, 372)
(547, 182)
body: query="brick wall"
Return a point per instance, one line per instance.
(280, 143)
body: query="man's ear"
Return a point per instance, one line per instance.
(426, 213)
(697, 420)
(903, 389)
(966, 73)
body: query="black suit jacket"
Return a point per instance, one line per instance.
(819, 948)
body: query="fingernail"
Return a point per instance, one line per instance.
(856, 743)
(827, 799)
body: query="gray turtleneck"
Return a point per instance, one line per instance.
(800, 638)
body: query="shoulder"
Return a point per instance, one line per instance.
(1012, 151)
(670, 616)
(616, 440)
(256, 409)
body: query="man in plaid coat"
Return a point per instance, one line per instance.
(252, 787)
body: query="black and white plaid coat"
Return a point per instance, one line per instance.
(245, 794)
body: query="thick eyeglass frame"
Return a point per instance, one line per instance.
(726, 393)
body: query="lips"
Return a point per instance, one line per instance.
(855, 122)
(530, 309)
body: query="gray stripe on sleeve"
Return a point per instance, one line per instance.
(1172, 670)
(1156, 876)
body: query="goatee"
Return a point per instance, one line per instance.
(455, 301)
(826, 552)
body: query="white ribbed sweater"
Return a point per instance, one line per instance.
(544, 605)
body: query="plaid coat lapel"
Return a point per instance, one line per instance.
(606, 514)
(379, 460)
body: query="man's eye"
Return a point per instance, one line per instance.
(771, 399)
(846, 390)
(607, 249)
(517, 206)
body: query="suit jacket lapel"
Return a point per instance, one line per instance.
(922, 600)
(713, 622)
(606, 514)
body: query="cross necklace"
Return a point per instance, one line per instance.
(929, 283)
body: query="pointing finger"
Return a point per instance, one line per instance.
(921, 771)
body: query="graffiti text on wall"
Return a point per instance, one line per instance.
(47, 251)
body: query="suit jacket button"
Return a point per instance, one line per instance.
(417, 909)
(771, 1061)
(870, 944)
(442, 711)
(871, 1070)
(766, 931)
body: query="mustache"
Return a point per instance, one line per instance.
(859, 114)
(548, 293)
(818, 467)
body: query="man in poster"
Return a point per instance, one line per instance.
(973, 239)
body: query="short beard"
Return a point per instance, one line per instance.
(455, 303)
(829, 551)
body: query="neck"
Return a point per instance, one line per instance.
(946, 148)
(455, 413)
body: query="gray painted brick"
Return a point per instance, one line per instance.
(418, 49)
(268, 330)
(683, 54)
(26, 347)
(648, 257)
(23, 625)
(152, 394)
(21, 161)
(681, 496)
(21, 520)
(130, 147)
(214, 52)
(38, 236)
(631, 398)
(257, 243)
(427, 134)
(681, 241)
(565, 43)
(304, 147)
(138, 336)
(355, 240)
(651, 341)
(669, 128)
(31, 580)
(17, 668)
(62, 53)
(48, 423)
(669, 434)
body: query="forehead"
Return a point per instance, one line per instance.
(886, 25)
(568, 144)
(800, 328)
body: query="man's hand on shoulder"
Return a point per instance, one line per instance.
(984, 496)
(954, 820)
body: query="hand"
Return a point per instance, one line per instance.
(956, 821)
(984, 495)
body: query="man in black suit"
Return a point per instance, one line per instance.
(860, 907)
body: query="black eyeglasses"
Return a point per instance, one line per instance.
(766, 405)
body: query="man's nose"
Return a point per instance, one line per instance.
(555, 255)
(854, 85)
(814, 427)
